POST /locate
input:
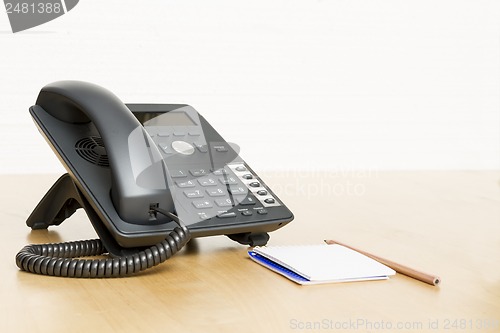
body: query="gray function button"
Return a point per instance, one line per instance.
(200, 204)
(226, 214)
(215, 192)
(270, 200)
(165, 148)
(182, 147)
(193, 133)
(240, 168)
(188, 183)
(247, 213)
(262, 192)
(262, 211)
(177, 173)
(193, 194)
(198, 172)
(163, 134)
(179, 133)
(247, 176)
(201, 148)
(207, 182)
(254, 184)
(224, 202)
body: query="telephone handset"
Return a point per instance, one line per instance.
(82, 103)
(149, 177)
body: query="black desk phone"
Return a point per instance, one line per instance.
(149, 177)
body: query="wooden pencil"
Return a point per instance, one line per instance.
(408, 271)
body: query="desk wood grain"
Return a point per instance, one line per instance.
(447, 223)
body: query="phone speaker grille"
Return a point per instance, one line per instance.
(92, 150)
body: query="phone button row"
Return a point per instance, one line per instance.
(254, 185)
(216, 192)
(182, 147)
(205, 216)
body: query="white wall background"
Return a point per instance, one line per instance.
(297, 84)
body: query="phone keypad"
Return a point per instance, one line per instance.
(223, 193)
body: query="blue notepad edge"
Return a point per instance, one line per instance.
(278, 268)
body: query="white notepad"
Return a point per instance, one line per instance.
(314, 264)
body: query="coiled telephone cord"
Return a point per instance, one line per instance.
(60, 259)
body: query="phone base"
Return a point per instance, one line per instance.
(60, 202)
(64, 198)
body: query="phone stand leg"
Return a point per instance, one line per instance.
(252, 239)
(60, 202)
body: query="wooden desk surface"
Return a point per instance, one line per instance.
(447, 223)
